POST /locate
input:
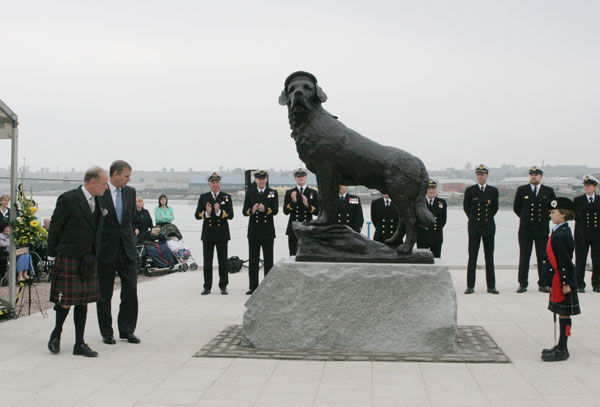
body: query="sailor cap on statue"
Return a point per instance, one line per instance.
(536, 170)
(215, 176)
(261, 174)
(482, 168)
(590, 179)
(433, 182)
(562, 203)
(298, 172)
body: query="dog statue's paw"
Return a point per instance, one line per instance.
(404, 249)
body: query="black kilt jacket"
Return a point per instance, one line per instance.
(533, 212)
(296, 210)
(481, 207)
(435, 234)
(215, 228)
(349, 212)
(260, 224)
(563, 246)
(385, 219)
(115, 233)
(587, 218)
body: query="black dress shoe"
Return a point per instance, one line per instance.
(83, 350)
(521, 289)
(469, 290)
(205, 292)
(597, 289)
(547, 351)
(544, 289)
(581, 290)
(224, 291)
(109, 340)
(131, 338)
(493, 291)
(249, 292)
(556, 355)
(54, 344)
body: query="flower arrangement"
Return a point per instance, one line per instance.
(26, 229)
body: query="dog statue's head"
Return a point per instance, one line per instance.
(301, 91)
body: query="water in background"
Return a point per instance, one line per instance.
(454, 250)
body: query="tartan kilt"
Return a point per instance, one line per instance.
(68, 287)
(569, 306)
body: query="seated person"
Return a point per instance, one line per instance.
(23, 256)
(141, 219)
(179, 248)
(152, 236)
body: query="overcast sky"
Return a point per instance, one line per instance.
(194, 84)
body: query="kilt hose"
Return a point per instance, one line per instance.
(68, 287)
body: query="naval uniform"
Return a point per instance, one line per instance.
(349, 211)
(261, 230)
(587, 234)
(215, 234)
(432, 238)
(298, 212)
(384, 216)
(531, 206)
(481, 206)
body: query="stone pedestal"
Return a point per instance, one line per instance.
(401, 308)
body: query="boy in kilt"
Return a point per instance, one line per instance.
(73, 242)
(559, 263)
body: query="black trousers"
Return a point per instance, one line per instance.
(582, 248)
(208, 253)
(475, 239)
(254, 246)
(128, 310)
(525, 249)
(436, 248)
(293, 244)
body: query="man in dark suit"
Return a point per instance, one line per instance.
(349, 210)
(73, 244)
(300, 203)
(118, 256)
(531, 206)
(481, 205)
(384, 216)
(260, 205)
(587, 232)
(215, 208)
(432, 238)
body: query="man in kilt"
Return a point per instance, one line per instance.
(73, 244)
(559, 263)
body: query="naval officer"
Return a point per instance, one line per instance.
(300, 204)
(384, 216)
(587, 232)
(432, 238)
(349, 210)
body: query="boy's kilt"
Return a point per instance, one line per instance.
(569, 306)
(69, 287)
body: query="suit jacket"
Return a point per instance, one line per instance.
(260, 224)
(115, 233)
(74, 230)
(533, 211)
(562, 246)
(481, 207)
(296, 210)
(385, 220)
(435, 234)
(215, 228)
(349, 212)
(587, 218)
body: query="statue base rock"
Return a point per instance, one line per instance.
(401, 308)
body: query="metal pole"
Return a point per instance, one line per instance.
(12, 272)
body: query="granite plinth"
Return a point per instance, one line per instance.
(404, 308)
(339, 243)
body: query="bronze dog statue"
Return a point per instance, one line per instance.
(339, 155)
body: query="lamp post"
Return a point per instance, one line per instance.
(8, 130)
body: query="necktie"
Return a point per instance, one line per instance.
(482, 189)
(214, 197)
(387, 203)
(119, 205)
(261, 192)
(535, 190)
(92, 204)
(591, 199)
(301, 189)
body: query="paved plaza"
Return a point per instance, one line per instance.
(175, 322)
